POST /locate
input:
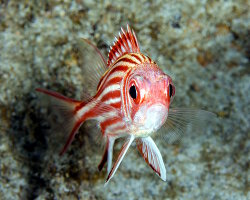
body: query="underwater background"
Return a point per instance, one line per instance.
(204, 45)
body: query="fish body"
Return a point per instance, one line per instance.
(132, 100)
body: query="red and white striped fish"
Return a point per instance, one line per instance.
(132, 100)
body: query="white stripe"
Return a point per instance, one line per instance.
(125, 63)
(131, 57)
(86, 108)
(141, 57)
(113, 100)
(118, 133)
(123, 31)
(129, 44)
(92, 104)
(117, 125)
(123, 50)
(106, 116)
(119, 73)
(125, 100)
(154, 156)
(108, 89)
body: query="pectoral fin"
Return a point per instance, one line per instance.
(123, 151)
(152, 156)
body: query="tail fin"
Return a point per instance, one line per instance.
(67, 108)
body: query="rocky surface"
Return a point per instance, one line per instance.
(203, 45)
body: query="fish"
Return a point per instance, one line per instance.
(131, 100)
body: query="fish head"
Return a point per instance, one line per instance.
(150, 93)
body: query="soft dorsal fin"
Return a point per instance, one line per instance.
(91, 63)
(126, 43)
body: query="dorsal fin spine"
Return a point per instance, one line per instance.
(125, 43)
(131, 34)
(124, 35)
(131, 39)
(136, 42)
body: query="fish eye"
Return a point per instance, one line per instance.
(170, 90)
(132, 92)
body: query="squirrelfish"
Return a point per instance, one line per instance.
(132, 100)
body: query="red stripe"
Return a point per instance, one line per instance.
(114, 49)
(149, 59)
(137, 57)
(119, 47)
(119, 128)
(57, 95)
(116, 105)
(125, 59)
(111, 55)
(119, 68)
(112, 81)
(104, 125)
(125, 43)
(115, 69)
(124, 91)
(111, 95)
(99, 82)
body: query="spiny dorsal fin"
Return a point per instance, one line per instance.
(126, 43)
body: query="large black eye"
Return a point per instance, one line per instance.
(170, 90)
(132, 92)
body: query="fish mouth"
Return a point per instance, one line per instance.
(150, 119)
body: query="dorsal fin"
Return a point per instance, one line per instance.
(91, 63)
(126, 43)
